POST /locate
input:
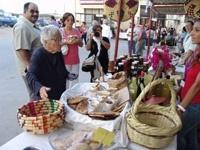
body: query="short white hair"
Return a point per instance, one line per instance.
(49, 32)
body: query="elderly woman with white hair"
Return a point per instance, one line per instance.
(47, 73)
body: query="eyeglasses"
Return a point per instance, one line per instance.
(34, 11)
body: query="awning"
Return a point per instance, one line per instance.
(171, 7)
(168, 1)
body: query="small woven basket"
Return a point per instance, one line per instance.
(153, 126)
(118, 81)
(41, 117)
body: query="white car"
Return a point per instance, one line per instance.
(123, 35)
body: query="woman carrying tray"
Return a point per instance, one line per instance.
(189, 107)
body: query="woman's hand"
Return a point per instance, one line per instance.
(43, 92)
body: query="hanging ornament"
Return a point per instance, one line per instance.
(192, 8)
(128, 9)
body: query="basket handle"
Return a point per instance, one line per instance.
(146, 90)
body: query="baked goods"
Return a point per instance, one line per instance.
(78, 140)
(79, 146)
(82, 107)
(94, 145)
(58, 143)
(104, 115)
(119, 107)
(73, 106)
(76, 100)
(118, 80)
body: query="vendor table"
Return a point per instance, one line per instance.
(41, 141)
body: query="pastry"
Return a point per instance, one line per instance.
(94, 145)
(80, 146)
(82, 107)
(103, 93)
(76, 100)
(73, 106)
(59, 144)
(104, 115)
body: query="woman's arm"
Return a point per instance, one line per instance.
(105, 43)
(32, 75)
(194, 89)
(89, 42)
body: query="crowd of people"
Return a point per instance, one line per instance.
(48, 71)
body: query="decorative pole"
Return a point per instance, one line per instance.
(120, 15)
(132, 29)
(150, 24)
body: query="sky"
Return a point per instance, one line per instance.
(45, 6)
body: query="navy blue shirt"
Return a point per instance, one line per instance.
(47, 69)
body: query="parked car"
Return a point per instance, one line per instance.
(42, 22)
(7, 21)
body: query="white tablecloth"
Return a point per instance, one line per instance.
(41, 141)
(27, 139)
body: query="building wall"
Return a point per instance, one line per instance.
(87, 10)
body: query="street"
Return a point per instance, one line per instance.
(13, 93)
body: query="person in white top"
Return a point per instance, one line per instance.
(106, 30)
(26, 39)
(188, 46)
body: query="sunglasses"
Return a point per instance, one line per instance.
(34, 11)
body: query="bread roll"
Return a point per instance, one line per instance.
(76, 100)
(80, 146)
(82, 107)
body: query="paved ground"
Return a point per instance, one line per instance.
(13, 93)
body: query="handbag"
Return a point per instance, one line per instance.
(88, 64)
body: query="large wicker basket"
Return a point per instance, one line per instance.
(153, 126)
(41, 117)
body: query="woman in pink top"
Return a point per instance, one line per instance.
(71, 38)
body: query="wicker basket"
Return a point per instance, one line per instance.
(153, 126)
(41, 117)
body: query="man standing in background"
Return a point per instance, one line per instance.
(26, 38)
